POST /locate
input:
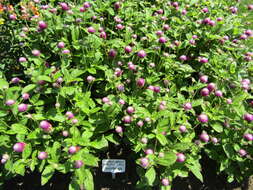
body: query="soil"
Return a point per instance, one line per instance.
(127, 180)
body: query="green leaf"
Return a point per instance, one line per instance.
(45, 78)
(27, 151)
(217, 127)
(28, 88)
(150, 176)
(18, 128)
(162, 139)
(46, 174)
(19, 167)
(3, 84)
(88, 182)
(168, 159)
(195, 168)
(99, 143)
(182, 146)
(90, 160)
(228, 149)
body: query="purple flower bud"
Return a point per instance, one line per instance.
(205, 10)
(219, 19)
(82, 9)
(183, 58)
(166, 27)
(103, 35)
(141, 54)
(65, 133)
(229, 101)
(187, 106)
(218, 93)
(10, 102)
(70, 115)
(74, 121)
(112, 53)
(22, 107)
(182, 128)
(65, 51)
(25, 96)
(157, 89)
(91, 30)
(140, 82)
(86, 5)
(130, 110)
(140, 123)
(105, 100)
(180, 157)
(117, 5)
(250, 7)
(214, 140)
(204, 137)
(144, 140)
(64, 6)
(45, 125)
(162, 40)
(121, 101)
(61, 45)
(203, 118)
(90, 79)
(119, 129)
(242, 152)
(19, 147)
(36, 52)
(211, 87)
(144, 162)
(203, 78)
(42, 25)
(72, 150)
(203, 60)
(248, 137)
(127, 119)
(42, 155)
(248, 117)
(22, 59)
(165, 182)
(78, 164)
(204, 92)
(149, 151)
(128, 49)
(15, 80)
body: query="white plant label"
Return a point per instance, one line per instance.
(113, 166)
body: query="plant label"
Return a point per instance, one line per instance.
(113, 166)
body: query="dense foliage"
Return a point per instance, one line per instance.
(168, 79)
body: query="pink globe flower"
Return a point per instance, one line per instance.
(22, 107)
(19, 147)
(203, 118)
(42, 155)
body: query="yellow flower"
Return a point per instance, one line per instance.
(1, 21)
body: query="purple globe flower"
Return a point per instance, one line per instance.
(182, 128)
(187, 106)
(128, 49)
(36, 52)
(69, 115)
(203, 118)
(42, 25)
(248, 117)
(25, 96)
(144, 162)
(78, 164)
(10, 102)
(22, 59)
(127, 119)
(72, 150)
(19, 147)
(204, 137)
(180, 157)
(91, 30)
(204, 92)
(15, 80)
(141, 54)
(112, 53)
(119, 129)
(61, 45)
(248, 137)
(22, 107)
(203, 79)
(242, 152)
(140, 82)
(140, 123)
(165, 182)
(45, 125)
(42, 155)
